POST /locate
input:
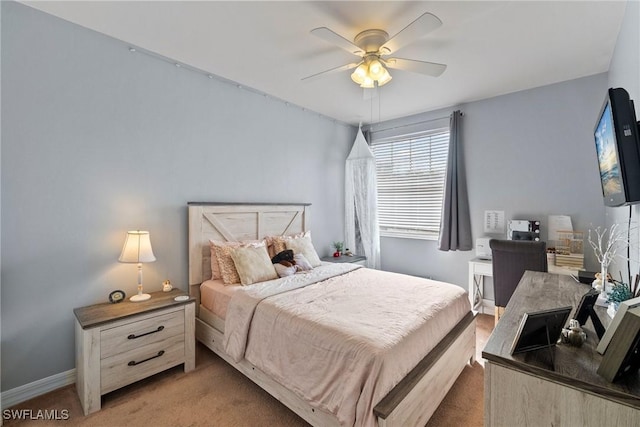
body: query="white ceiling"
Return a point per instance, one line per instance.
(491, 48)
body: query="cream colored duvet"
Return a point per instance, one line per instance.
(341, 337)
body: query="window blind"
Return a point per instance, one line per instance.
(411, 171)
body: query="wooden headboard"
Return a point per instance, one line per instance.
(236, 222)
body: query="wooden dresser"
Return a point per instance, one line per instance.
(118, 344)
(524, 389)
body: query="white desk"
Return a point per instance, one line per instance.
(481, 268)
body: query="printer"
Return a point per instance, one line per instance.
(523, 229)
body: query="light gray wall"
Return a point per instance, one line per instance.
(624, 72)
(97, 141)
(529, 154)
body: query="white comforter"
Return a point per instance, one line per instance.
(341, 337)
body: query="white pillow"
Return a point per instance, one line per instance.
(302, 262)
(276, 244)
(253, 264)
(304, 246)
(284, 271)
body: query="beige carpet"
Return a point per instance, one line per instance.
(215, 394)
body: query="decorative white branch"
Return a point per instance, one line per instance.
(606, 246)
(607, 249)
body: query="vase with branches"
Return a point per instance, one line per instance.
(606, 245)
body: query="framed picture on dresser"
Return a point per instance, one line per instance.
(622, 356)
(540, 329)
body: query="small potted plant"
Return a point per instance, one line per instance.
(619, 292)
(339, 246)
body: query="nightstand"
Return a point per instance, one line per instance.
(118, 344)
(356, 259)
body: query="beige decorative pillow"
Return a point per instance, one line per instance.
(277, 244)
(304, 246)
(226, 266)
(253, 264)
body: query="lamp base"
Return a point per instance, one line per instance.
(140, 298)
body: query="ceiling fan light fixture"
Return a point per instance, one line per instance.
(373, 45)
(386, 78)
(371, 73)
(360, 73)
(368, 83)
(376, 70)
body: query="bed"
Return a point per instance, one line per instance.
(396, 376)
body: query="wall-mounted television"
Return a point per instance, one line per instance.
(618, 149)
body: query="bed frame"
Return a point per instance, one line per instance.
(410, 403)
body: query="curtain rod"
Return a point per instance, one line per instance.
(409, 124)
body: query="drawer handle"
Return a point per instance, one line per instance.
(134, 363)
(134, 336)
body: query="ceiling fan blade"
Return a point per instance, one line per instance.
(332, 70)
(429, 68)
(412, 32)
(329, 36)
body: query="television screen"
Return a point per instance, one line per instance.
(618, 149)
(608, 154)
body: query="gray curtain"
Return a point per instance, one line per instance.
(455, 229)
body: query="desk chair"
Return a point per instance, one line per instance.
(511, 258)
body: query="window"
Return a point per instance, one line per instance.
(411, 171)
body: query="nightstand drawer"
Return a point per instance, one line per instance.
(122, 369)
(139, 333)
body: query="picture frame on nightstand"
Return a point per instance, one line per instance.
(117, 296)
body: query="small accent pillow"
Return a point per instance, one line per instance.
(302, 263)
(215, 267)
(276, 244)
(227, 268)
(253, 264)
(284, 271)
(304, 246)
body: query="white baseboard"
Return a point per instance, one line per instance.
(37, 388)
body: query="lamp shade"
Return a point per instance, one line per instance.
(137, 248)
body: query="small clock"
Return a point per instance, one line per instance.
(116, 296)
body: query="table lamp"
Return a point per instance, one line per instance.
(137, 249)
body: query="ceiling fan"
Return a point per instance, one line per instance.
(373, 46)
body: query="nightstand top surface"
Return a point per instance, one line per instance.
(344, 258)
(99, 314)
